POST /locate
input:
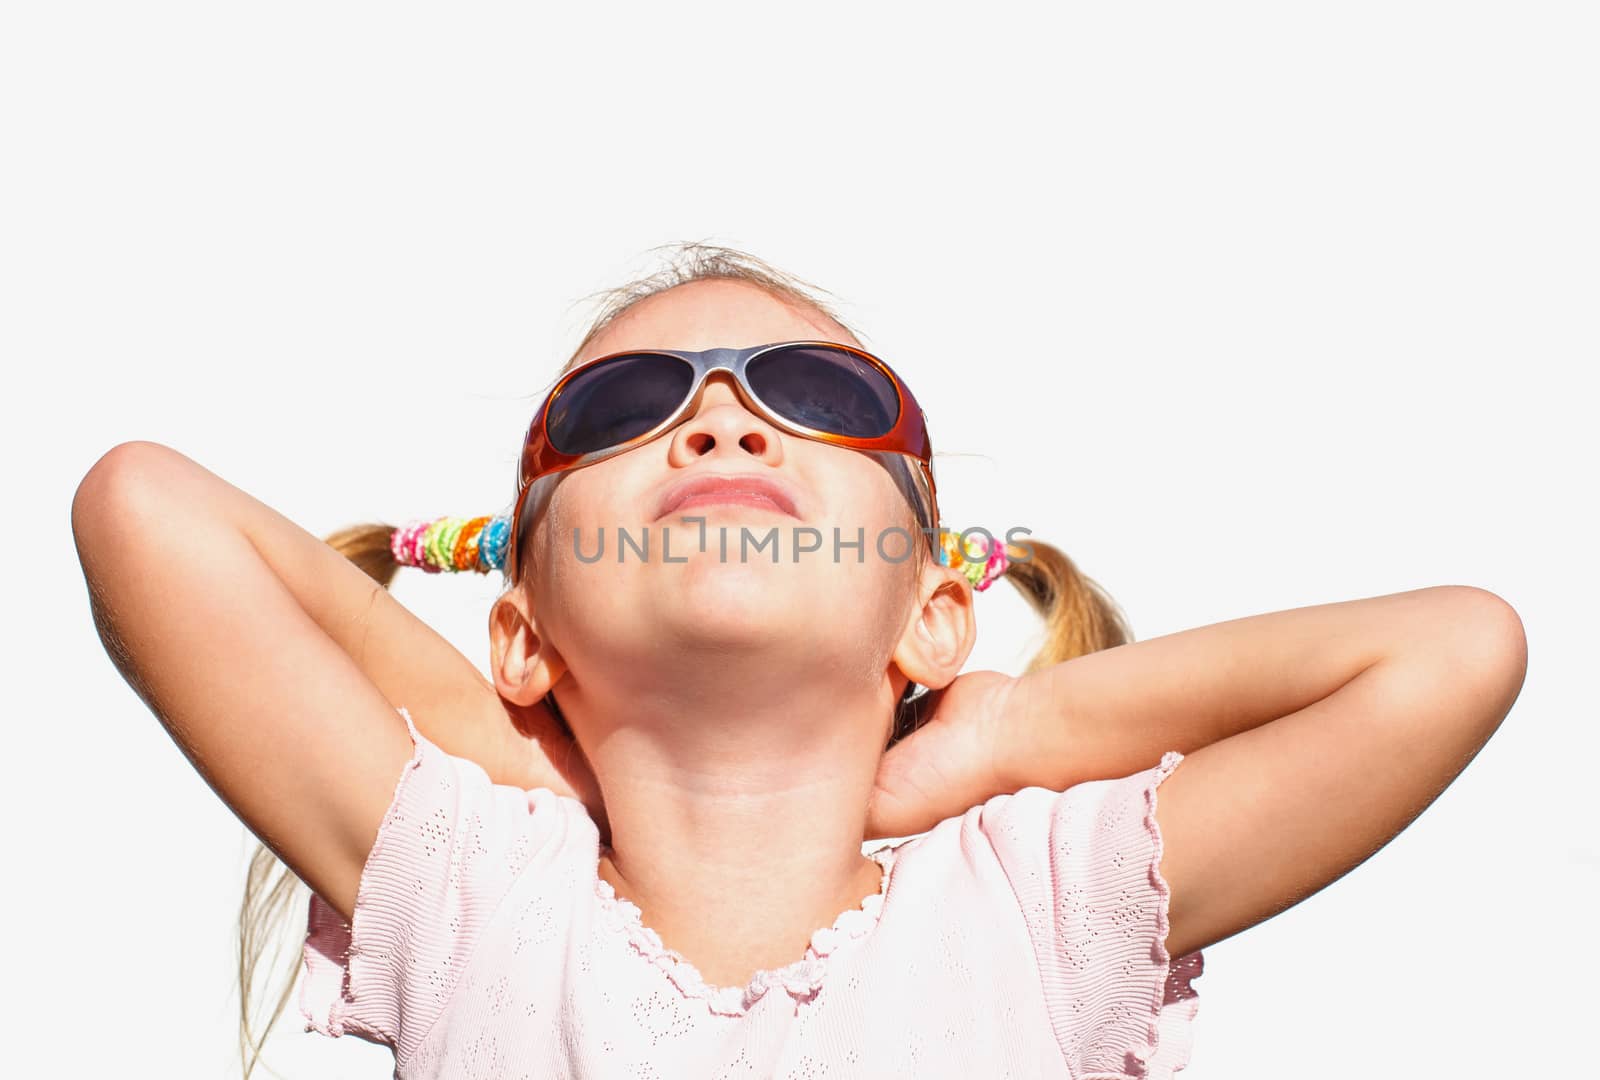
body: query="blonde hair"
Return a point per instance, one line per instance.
(1079, 617)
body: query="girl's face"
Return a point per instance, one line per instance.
(714, 593)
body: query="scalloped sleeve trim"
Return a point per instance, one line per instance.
(1085, 865)
(342, 988)
(451, 848)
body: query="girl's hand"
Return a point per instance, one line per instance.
(949, 764)
(546, 756)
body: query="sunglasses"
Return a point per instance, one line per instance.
(818, 390)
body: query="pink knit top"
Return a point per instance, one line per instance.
(1024, 938)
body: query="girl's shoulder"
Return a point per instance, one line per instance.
(1079, 872)
(449, 850)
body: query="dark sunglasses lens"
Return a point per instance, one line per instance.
(617, 401)
(828, 389)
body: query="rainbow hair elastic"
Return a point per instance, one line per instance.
(982, 568)
(452, 543)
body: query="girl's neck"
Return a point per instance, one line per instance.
(739, 834)
(728, 936)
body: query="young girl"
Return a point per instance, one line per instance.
(652, 845)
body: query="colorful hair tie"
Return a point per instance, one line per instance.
(465, 554)
(492, 544)
(411, 544)
(451, 543)
(430, 545)
(397, 546)
(982, 570)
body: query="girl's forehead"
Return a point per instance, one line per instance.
(711, 315)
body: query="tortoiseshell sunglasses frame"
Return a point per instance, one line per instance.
(908, 436)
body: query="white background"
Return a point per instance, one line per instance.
(1246, 306)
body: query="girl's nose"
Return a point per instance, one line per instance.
(721, 419)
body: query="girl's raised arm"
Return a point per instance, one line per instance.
(274, 662)
(1313, 736)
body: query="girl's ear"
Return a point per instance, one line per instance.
(941, 631)
(523, 664)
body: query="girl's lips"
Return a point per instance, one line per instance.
(745, 489)
(731, 498)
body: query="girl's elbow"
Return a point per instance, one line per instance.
(1488, 646)
(117, 487)
(1496, 634)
